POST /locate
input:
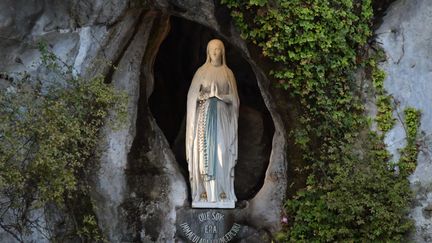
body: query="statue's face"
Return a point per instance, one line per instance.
(215, 52)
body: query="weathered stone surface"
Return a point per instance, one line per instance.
(406, 39)
(23, 25)
(156, 187)
(110, 185)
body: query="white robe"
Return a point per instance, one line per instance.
(221, 187)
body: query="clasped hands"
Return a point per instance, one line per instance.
(213, 93)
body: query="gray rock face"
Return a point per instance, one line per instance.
(252, 161)
(138, 185)
(110, 184)
(406, 36)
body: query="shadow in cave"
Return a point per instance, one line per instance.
(180, 55)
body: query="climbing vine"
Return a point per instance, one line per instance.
(48, 132)
(353, 192)
(408, 155)
(384, 117)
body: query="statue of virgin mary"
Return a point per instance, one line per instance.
(211, 131)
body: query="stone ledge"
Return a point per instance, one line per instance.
(210, 205)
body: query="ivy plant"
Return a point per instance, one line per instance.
(354, 193)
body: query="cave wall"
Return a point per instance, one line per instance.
(79, 33)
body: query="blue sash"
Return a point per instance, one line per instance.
(210, 139)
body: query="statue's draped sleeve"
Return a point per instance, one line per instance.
(234, 122)
(191, 116)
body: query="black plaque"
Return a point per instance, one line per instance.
(207, 225)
